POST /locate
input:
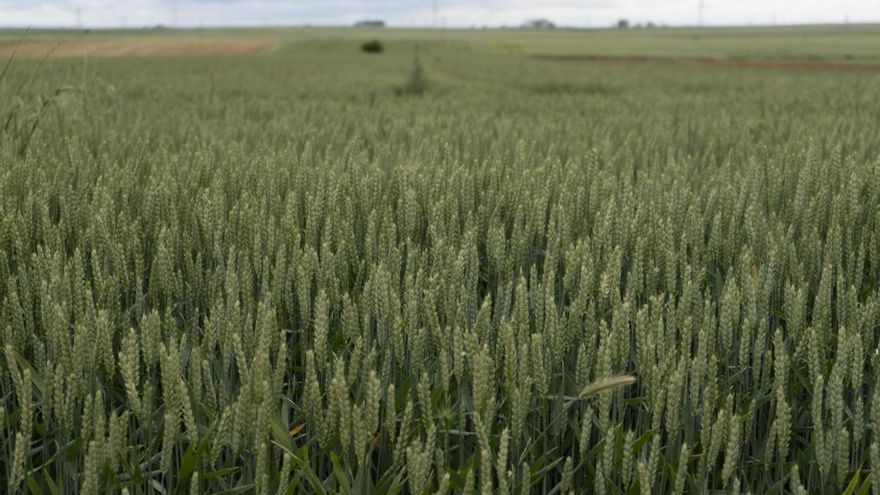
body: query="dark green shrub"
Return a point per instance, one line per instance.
(374, 46)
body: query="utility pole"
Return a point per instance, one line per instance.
(702, 8)
(79, 12)
(434, 20)
(174, 13)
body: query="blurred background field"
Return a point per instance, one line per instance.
(820, 42)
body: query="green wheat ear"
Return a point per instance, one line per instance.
(606, 385)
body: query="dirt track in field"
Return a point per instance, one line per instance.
(720, 63)
(137, 47)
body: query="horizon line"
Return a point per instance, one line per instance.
(634, 26)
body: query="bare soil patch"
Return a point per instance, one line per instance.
(137, 47)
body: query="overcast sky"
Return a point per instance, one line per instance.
(452, 13)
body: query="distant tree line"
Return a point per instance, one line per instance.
(370, 23)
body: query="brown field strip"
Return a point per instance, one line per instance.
(719, 62)
(137, 47)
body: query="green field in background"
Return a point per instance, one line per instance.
(821, 42)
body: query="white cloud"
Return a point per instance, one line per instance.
(104, 13)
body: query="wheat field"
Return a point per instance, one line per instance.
(447, 268)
